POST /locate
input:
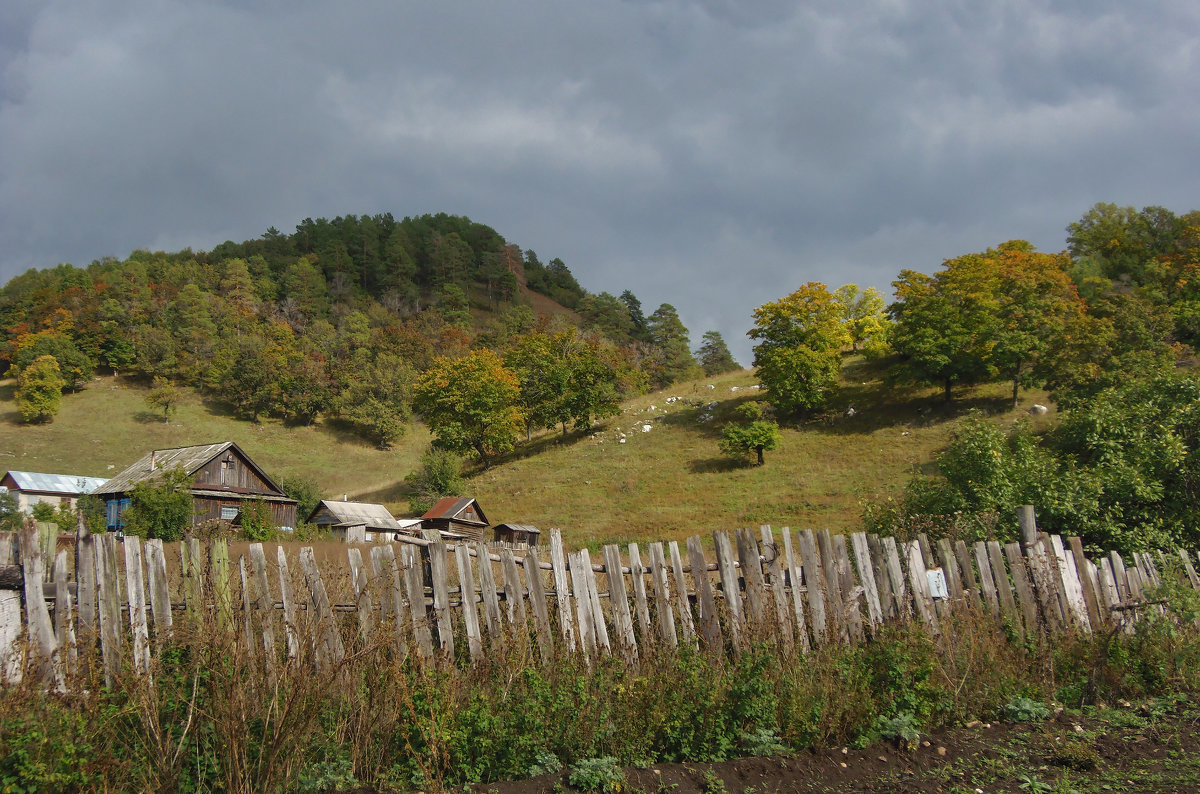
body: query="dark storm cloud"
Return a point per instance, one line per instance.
(714, 154)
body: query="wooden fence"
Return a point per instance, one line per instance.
(456, 603)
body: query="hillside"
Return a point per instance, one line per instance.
(666, 483)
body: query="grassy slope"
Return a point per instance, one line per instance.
(665, 484)
(107, 427)
(673, 482)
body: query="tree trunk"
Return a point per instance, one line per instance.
(1016, 384)
(947, 394)
(759, 450)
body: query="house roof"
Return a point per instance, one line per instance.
(190, 459)
(354, 513)
(530, 528)
(450, 507)
(54, 483)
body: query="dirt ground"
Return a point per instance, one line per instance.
(1147, 748)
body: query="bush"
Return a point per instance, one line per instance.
(598, 774)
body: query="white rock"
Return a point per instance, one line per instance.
(1039, 410)
(621, 440)
(711, 386)
(645, 428)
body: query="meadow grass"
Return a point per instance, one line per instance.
(665, 484)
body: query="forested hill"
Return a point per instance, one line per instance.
(335, 320)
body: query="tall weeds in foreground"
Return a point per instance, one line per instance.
(213, 716)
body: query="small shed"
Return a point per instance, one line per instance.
(456, 517)
(30, 488)
(353, 522)
(516, 534)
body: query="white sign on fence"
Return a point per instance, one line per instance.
(937, 583)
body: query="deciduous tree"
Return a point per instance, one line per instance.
(471, 404)
(39, 390)
(798, 354)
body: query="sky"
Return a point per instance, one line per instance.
(714, 155)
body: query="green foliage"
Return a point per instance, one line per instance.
(902, 727)
(546, 763)
(255, 520)
(165, 397)
(714, 356)
(798, 354)
(306, 493)
(864, 313)
(160, 508)
(1023, 709)
(39, 390)
(11, 516)
(440, 475)
(670, 359)
(324, 776)
(93, 510)
(377, 397)
(46, 751)
(471, 404)
(752, 435)
(602, 774)
(44, 511)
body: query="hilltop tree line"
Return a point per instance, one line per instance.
(340, 320)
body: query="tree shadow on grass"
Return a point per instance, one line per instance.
(148, 417)
(721, 465)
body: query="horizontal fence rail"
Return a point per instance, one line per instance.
(116, 603)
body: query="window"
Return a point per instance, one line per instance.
(228, 513)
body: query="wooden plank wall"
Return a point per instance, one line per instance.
(800, 589)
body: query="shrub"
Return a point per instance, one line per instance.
(598, 774)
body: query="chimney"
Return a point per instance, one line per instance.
(152, 460)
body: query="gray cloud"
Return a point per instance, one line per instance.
(713, 154)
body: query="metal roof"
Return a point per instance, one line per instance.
(190, 459)
(530, 528)
(55, 483)
(354, 513)
(450, 507)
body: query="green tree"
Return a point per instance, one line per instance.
(714, 356)
(255, 520)
(11, 516)
(440, 475)
(946, 324)
(306, 493)
(160, 508)
(865, 314)
(671, 360)
(39, 390)
(751, 434)
(376, 397)
(607, 314)
(471, 404)
(164, 396)
(798, 354)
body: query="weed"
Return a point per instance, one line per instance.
(545, 763)
(1023, 709)
(598, 774)
(763, 742)
(712, 783)
(902, 728)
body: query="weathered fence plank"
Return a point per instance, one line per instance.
(160, 592)
(662, 596)
(795, 579)
(622, 617)
(954, 585)
(896, 577)
(752, 578)
(729, 585)
(413, 572)
(851, 593)
(887, 599)
(686, 624)
(289, 604)
(1072, 587)
(1020, 576)
(488, 591)
(1087, 578)
(641, 600)
(583, 604)
(814, 589)
(514, 592)
(439, 583)
(562, 589)
(987, 584)
(920, 586)
(962, 556)
(10, 636)
(710, 623)
(835, 609)
(109, 611)
(470, 612)
(783, 623)
(264, 605)
(866, 575)
(537, 601)
(1000, 579)
(330, 650)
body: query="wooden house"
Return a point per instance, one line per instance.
(516, 534)
(359, 522)
(31, 488)
(456, 517)
(224, 478)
